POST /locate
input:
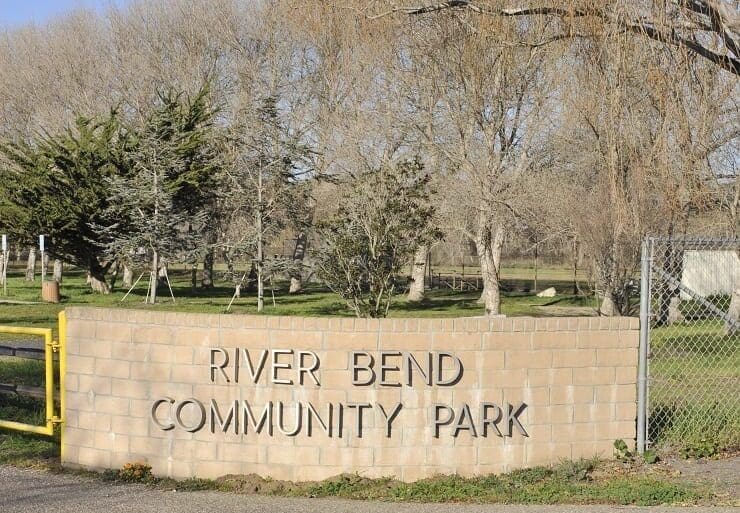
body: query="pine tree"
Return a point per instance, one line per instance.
(174, 167)
(265, 187)
(58, 185)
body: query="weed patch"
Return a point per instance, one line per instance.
(571, 482)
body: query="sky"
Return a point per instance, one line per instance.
(15, 13)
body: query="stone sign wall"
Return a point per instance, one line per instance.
(308, 398)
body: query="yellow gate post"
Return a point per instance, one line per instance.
(61, 419)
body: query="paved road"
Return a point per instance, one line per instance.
(30, 491)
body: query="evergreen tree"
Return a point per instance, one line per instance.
(164, 200)
(265, 188)
(58, 186)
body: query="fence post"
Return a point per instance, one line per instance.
(644, 338)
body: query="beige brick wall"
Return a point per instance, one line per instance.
(577, 377)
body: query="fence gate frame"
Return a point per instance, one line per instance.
(51, 347)
(651, 273)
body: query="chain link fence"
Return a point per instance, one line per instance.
(691, 344)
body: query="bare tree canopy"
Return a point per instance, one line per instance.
(707, 28)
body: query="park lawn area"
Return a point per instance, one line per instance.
(25, 449)
(23, 306)
(21, 371)
(695, 372)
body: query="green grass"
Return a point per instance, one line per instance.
(19, 371)
(694, 395)
(314, 301)
(23, 449)
(548, 490)
(571, 482)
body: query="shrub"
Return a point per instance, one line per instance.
(136, 473)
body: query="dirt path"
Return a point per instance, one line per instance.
(723, 475)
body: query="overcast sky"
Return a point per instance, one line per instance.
(14, 13)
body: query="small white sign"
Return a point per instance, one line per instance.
(41, 243)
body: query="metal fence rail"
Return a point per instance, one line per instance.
(29, 353)
(691, 343)
(26, 391)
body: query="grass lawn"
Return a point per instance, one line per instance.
(22, 306)
(23, 449)
(20, 371)
(694, 395)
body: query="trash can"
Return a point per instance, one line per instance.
(50, 291)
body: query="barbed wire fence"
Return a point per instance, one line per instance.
(689, 383)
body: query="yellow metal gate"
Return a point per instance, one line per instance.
(51, 347)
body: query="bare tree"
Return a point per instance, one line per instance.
(484, 120)
(645, 130)
(709, 29)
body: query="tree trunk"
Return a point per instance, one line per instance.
(2, 269)
(44, 265)
(229, 265)
(418, 273)
(299, 253)
(31, 264)
(260, 254)
(155, 278)
(260, 274)
(575, 267)
(296, 284)
(128, 276)
(163, 271)
(488, 243)
(733, 313)
(669, 294)
(612, 301)
(206, 280)
(96, 279)
(252, 279)
(114, 269)
(536, 264)
(98, 285)
(608, 305)
(57, 270)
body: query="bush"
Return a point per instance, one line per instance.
(136, 473)
(385, 216)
